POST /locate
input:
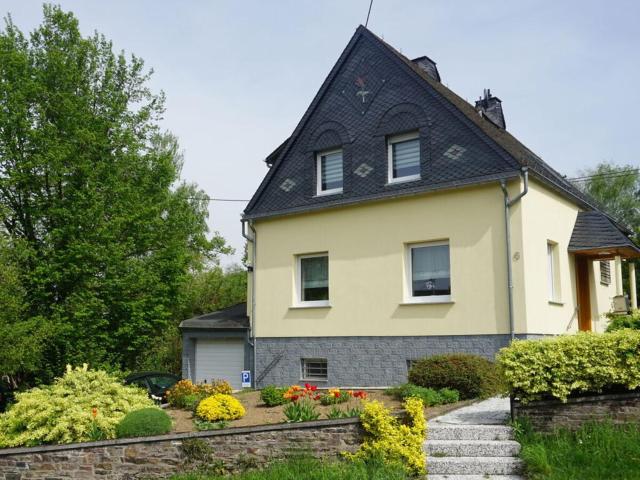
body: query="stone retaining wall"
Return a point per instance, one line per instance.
(161, 456)
(547, 415)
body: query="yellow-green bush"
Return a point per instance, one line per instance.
(82, 405)
(561, 366)
(220, 407)
(390, 439)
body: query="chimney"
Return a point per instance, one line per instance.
(428, 66)
(491, 108)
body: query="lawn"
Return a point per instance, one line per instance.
(595, 452)
(312, 469)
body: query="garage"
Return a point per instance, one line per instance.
(216, 346)
(221, 359)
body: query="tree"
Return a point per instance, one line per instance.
(101, 233)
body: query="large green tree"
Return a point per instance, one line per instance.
(100, 233)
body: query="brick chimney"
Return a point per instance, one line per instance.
(491, 108)
(428, 66)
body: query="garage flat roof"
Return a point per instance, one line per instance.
(234, 317)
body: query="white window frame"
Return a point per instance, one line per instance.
(331, 191)
(408, 279)
(303, 377)
(298, 279)
(397, 139)
(553, 272)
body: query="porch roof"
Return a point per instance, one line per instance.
(596, 235)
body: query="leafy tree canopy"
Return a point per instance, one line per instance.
(98, 234)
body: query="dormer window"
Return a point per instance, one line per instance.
(404, 157)
(329, 172)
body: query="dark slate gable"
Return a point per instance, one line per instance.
(458, 146)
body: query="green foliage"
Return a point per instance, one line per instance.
(619, 322)
(307, 468)
(594, 452)
(429, 396)
(392, 441)
(102, 230)
(203, 425)
(471, 375)
(70, 410)
(336, 412)
(273, 396)
(144, 423)
(570, 364)
(301, 411)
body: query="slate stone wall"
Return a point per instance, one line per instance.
(547, 415)
(160, 457)
(362, 361)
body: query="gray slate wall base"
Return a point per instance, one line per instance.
(363, 361)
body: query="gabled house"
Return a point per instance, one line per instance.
(399, 221)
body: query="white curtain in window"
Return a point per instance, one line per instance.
(430, 262)
(315, 272)
(406, 155)
(331, 171)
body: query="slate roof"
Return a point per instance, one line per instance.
(595, 231)
(231, 318)
(508, 157)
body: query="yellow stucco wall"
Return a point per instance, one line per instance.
(366, 245)
(550, 217)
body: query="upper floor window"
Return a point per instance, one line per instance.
(428, 272)
(329, 172)
(553, 270)
(313, 280)
(404, 157)
(605, 272)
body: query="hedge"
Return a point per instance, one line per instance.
(570, 364)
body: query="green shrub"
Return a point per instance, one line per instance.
(301, 411)
(144, 423)
(70, 410)
(429, 396)
(273, 396)
(619, 322)
(471, 375)
(569, 364)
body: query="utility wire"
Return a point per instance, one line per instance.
(368, 13)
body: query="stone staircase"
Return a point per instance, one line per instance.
(472, 452)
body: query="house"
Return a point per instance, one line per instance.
(399, 221)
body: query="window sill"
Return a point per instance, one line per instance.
(328, 193)
(316, 305)
(395, 181)
(556, 302)
(315, 380)
(442, 301)
(605, 284)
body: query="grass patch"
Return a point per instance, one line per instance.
(594, 452)
(312, 469)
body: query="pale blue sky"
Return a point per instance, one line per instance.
(238, 75)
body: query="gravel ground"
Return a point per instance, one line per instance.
(493, 411)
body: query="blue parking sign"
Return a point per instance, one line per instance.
(246, 379)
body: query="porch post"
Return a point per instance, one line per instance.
(632, 286)
(618, 263)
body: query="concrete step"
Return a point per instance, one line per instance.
(438, 431)
(475, 477)
(472, 448)
(474, 466)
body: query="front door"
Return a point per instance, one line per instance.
(584, 298)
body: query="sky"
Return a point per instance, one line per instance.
(238, 75)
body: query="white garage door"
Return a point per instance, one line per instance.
(220, 359)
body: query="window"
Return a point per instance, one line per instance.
(313, 280)
(605, 273)
(429, 272)
(314, 369)
(329, 172)
(553, 271)
(404, 157)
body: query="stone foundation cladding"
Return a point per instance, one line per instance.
(547, 415)
(362, 361)
(162, 456)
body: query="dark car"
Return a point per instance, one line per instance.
(156, 383)
(6, 395)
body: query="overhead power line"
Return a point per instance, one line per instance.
(211, 199)
(615, 174)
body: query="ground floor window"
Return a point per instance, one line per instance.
(313, 279)
(428, 272)
(314, 368)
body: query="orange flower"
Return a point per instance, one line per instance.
(94, 412)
